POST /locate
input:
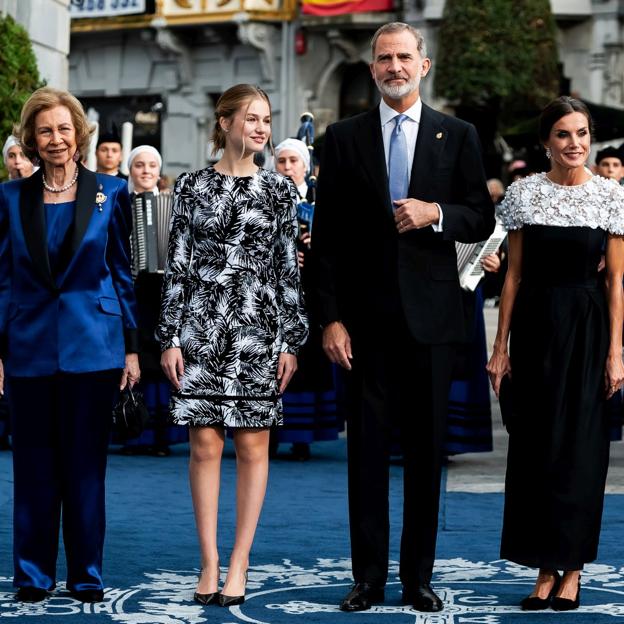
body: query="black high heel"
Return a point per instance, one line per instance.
(565, 604)
(534, 603)
(206, 599)
(231, 601)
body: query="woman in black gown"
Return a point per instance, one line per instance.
(565, 360)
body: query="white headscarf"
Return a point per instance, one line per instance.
(8, 144)
(296, 146)
(134, 153)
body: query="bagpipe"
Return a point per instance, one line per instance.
(305, 208)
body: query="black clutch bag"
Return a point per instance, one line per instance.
(506, 402)
(130, 416)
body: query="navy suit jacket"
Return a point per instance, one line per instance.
(366, 273)
(85, 319)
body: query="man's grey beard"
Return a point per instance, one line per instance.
(396, 92)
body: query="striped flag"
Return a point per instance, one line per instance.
(332, 7)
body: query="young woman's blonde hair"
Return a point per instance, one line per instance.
(44, 99)
(230, 102)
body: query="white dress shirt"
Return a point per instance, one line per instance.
(303, 190)
(410, 128)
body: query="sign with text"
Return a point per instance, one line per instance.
(106, 8)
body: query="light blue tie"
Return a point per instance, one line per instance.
(398, 173)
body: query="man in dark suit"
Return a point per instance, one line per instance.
(397, 187)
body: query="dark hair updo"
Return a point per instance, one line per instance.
(559, 108)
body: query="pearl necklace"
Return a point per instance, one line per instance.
(62, 189)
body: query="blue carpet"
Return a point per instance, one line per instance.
(300, 566)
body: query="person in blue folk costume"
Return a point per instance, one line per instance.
(144, 164)
(68, 341)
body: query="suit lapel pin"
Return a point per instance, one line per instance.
(100, 198)
(439, 135)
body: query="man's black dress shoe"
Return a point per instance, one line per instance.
(422, 598)
(565, 604)
(88, 595)
(31, 594)
(361, 597)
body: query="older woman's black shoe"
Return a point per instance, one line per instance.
(88, 595)
(533, 603)
(565, 604)
(31, 594)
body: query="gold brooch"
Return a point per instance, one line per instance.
(439, 135)
(100, 198)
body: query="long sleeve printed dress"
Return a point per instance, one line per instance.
(232, 297)
(559, 425)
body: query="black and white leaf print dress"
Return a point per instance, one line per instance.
(232, 297)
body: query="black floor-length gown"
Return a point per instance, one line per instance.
(559, 426)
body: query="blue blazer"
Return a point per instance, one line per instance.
(84, 321)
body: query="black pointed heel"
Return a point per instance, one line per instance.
(206, 599)
(565, 604)
(231, 601)
(533, 603)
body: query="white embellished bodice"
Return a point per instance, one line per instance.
(535, 200)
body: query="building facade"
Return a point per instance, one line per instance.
(164, 67)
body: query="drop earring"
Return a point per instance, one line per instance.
(548, 154)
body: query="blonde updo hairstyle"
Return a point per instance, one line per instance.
(230, 102)
(45, 99)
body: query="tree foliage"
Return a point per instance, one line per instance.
(19, 76)
(497, 50)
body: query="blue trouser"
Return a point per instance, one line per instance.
(60, 427)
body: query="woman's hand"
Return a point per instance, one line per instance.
(286, 367)
(498, 366)
(614, 375)
(131, 373)
(173, 365)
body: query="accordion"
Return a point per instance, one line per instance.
(151, 218)
(469, 256)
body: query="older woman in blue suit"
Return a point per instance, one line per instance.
(67, 341)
